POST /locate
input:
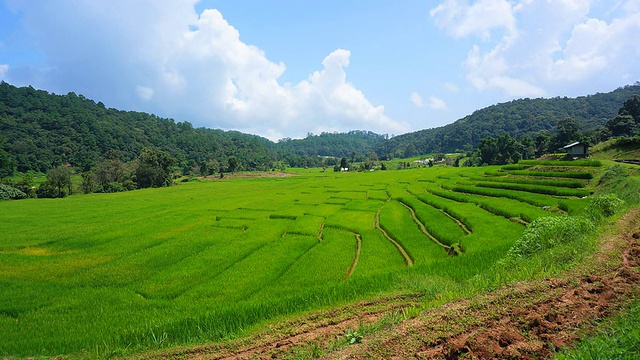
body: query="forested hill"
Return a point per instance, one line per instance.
(333, 144)
(39, 131)
(516, 118)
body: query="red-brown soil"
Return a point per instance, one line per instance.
(527, 320)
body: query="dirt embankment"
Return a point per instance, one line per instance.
(525, 321)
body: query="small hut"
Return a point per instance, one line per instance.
(577, 149)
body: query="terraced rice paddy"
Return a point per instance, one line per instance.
(104, 274)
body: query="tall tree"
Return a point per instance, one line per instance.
(60, 178)
(7, 165)
(631, 107)
(568, 130)
(343, 163)
(623, 125)
(488, 150)
(154, 168)
(627, 122)
(232, 164)
(543, 139)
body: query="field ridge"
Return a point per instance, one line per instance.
(408, 259)
(531, 319)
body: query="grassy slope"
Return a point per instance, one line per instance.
(170, 266)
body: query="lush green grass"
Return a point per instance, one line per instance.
(539, 189)
(555, 174)
(107, 274)
(574, 184)
(617, 339)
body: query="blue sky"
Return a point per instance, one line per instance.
(285, 68)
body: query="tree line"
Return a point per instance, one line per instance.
(505, 149)
(42, 132)
(518, 118)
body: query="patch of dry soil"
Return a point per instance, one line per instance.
(528, 320)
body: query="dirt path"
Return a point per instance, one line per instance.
(524, 321)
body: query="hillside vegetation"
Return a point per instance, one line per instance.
(40, 131)
(106, 274)
(518, 118)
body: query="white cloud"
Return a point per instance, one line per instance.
(163, 57)
(434, 103)
(451, 87)
(479, 19)
(596, 46)
(416, 99)
(144, 92)
(546, 47)
(3, 70)
(437, 103)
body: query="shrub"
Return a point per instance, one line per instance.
(547, 232)
(613, 173)
(10, 193)
(47, 190)
(606, 204)
(616, 180)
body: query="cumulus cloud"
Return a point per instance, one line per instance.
(539, 48)
(3, 70)
(478, 19)
(163, 57)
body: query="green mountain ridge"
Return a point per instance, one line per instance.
(517, 118)
(40, 130)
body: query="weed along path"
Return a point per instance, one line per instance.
(531, 319)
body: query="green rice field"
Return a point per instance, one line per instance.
(110, 274)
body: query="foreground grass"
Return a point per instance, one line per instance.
(618, 338)
(111, 274)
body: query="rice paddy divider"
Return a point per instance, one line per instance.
(408, 259)
(423, 229)
(537, 189)
(321, 229)
(554, 174)
(356, 257)
(495, 192)
(445, 211)
(219, 273)
(462, 196)
(574, 184)
(575, 163)
(281, 274)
